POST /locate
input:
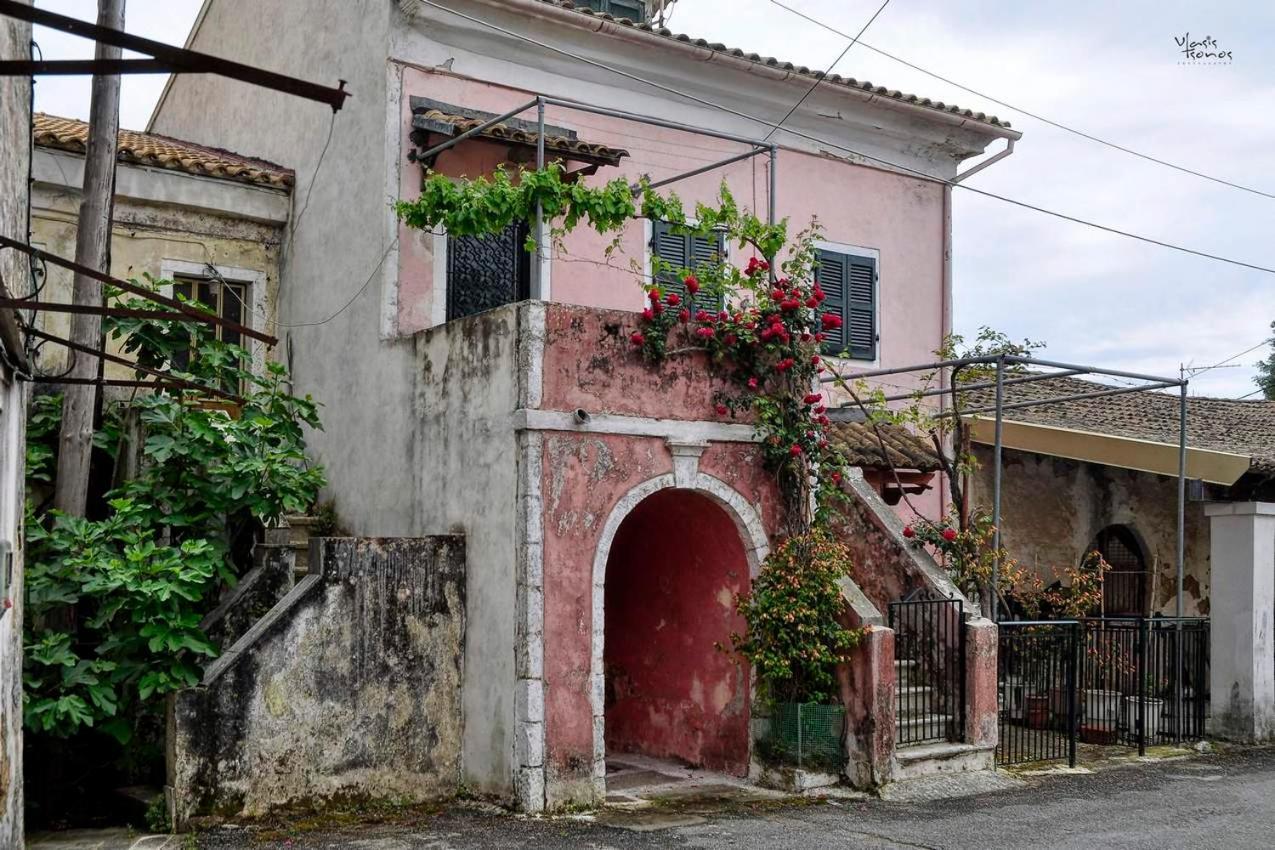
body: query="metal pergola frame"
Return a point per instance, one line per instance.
(540, 102)
(1065, 370)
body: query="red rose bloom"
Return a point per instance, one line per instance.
(684, 316)
(949, 534)
(795, 450)
(820, 409)
(721, 410)
(706, 333)
(836, 478)
(729, 339)
(818, 293)
(813, 398)
(752, 383)
(692, 283)
(654, 295)
(812, 302)
(702, 316)
(648, 314)
(814, 360)
(831, 321)
(908, 531)
(637, 338)
(820, 337)
(674, 299)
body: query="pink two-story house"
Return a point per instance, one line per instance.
(610, 518)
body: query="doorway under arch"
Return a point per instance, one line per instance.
(1124, 587)
(673, 572)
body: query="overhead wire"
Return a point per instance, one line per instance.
(1034, 115)
(820, 77)
(839, 146)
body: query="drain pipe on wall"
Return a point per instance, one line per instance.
(1009, 149)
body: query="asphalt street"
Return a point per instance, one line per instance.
(1215, 801)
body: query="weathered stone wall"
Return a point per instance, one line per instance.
(349, 687)
(1053, 508)
(15, 93)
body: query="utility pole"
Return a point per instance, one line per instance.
(92, 249)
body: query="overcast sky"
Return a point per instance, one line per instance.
(1112, 70)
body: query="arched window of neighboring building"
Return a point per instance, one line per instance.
(1124, 591)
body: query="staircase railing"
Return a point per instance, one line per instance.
(929, 659)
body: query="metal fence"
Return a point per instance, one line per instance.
(929, 657)
(1134, 681)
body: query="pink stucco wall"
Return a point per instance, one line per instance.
(899, 216)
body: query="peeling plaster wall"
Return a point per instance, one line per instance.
(146, 235)
(15, 140)
(1053, 508)
(350, 687)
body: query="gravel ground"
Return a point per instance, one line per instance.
(1220, 800)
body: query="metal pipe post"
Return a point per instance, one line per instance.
(996, 488)
(1181, 489)
(541, 275)
(774, 181)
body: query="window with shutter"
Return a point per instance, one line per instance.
(488, 271)
(850, 283)
(685, 251)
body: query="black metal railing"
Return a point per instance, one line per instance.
(1037, 665)
(1132, 681)
(929, 659)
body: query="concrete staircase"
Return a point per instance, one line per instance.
(915, 717)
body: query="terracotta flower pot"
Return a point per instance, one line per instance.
(1036, 711)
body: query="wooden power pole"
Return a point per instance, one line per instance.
(92, 249)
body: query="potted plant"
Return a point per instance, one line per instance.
(794, 642)
(1149, 706)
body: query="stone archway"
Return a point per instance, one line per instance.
(668, 566)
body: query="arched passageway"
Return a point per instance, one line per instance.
(673, 572)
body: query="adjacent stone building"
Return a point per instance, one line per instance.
(208, 220)
(1101, 475)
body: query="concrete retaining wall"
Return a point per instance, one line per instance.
(348, 687)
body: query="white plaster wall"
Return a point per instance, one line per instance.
(463, 452)
(15, 138)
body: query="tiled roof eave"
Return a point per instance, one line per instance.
(991, 123)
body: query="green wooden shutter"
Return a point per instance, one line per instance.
(831, 275)
(861, 308)
(675, 250)
(683, 251)
(850, 284)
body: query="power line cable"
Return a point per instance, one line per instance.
(799, 134)
(820, 78)
(1028, 113)
(1221, 363)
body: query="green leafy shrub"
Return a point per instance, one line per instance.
(115, 601)
(795, 640)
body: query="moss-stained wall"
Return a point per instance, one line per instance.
(349, 688)
(1053, 508)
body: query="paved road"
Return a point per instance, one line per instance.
(1219, 801)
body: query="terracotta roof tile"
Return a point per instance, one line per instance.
(163, 152)
(858, 442)
(513, 131)
(1220, 424)
(836, 79)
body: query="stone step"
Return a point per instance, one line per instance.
(903, 670)
(924, 723)
(928, 759)
(912, 699)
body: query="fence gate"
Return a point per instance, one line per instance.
(1134, 682)
(929, 660)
